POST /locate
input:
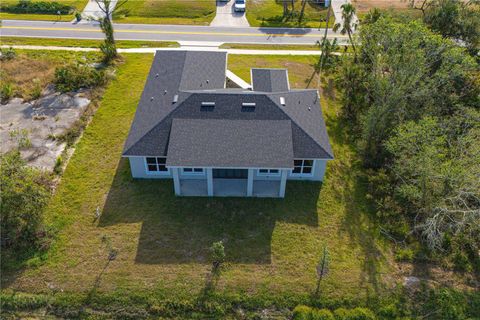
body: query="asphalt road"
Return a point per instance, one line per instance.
(200, 34)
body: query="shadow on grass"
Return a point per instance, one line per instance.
(181, 229)
(359, 221)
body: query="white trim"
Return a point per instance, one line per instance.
(268, 174)
(155, 173)
(192, 173)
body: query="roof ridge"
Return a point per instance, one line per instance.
(299, 126)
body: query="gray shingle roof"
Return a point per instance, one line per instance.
(230, 143)
(172, 73)
(270, 80)
(151, 129)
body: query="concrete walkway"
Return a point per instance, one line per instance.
(227, 17)
(337, 11)
(93, 11)
(237, 80)
(187, 48)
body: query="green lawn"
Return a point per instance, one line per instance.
(78, 4)
(253, 46)
(269, 13)
(167, 12)
(84, 43)
(272, 245)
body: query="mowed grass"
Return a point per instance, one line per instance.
(78, 4)
(269, 13)
(162, 241)
(199, 12)
(84, 43)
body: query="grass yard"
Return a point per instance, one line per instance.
(272, 246)
(78, 4)
(83, 43)
(199, 12)
(253, 46)
(269, 13)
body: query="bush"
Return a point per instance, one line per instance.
(322, 314)
(354, 314)
(75, 76)
(404, 254)
(301, 312)
(39, 7)
(7, 54)
(7, 92)
(25, 192)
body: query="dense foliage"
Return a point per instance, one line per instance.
(75, 76)
(413, 98)
(25, 192)
(455, 19)
(38, 7)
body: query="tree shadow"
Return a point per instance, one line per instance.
(181, 229)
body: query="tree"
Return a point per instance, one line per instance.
(217, 255)
(328, 59)
(302, 11)
(322, 267)
(349, 24)
(372, 16)
(455, 19)
(108, 47)
(25, 192)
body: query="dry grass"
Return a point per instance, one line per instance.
(31, 71)
(27, 75)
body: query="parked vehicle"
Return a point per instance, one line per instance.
(239, 5)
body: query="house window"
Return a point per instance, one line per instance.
(268, 172)
(192, 170)
(156, 164)
(302, 167)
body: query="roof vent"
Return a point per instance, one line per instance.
(156, 76)
(151, 99)
(207, 81)
(165, 92)
(175, 98)
(248, 107)
(282, 101)
(207, 106)
(309, 109)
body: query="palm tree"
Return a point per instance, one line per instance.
(349, 23)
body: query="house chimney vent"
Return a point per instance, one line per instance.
(175, 98)
(282, 101)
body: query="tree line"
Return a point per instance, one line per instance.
(411, 96)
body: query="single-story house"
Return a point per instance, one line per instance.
(218, 141)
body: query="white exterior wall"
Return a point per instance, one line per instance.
(139, 170)
(319, 167)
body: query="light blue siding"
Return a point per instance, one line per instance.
(139, 170)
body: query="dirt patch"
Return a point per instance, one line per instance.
(366, 5)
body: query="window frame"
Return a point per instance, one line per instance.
(157, 165)
(302, 167)
(195, 171)
(269, 172)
